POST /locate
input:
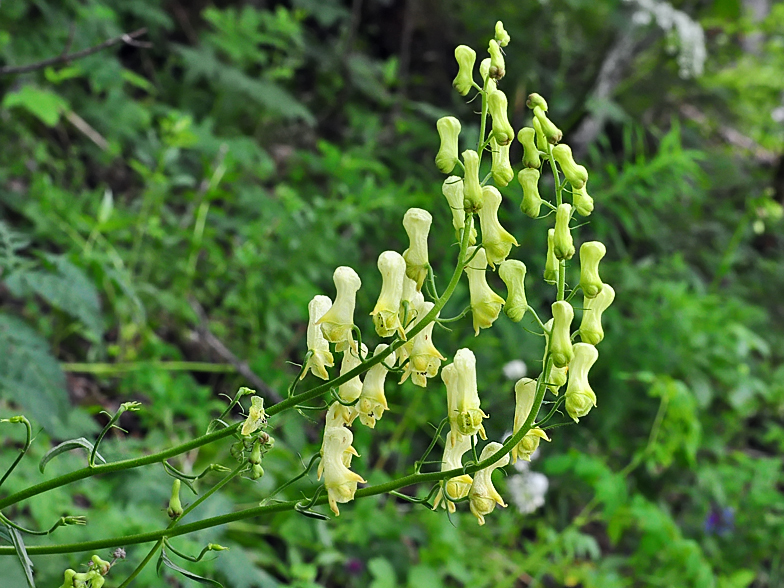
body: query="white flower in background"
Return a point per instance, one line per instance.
(527, 489)
(515, 369)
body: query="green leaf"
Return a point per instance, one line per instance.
(164, 560)
(21, 553)
(240, 571)
(31, 377)
(383, 573)
(44, 105)
(65, 446)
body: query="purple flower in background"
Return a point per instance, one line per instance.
(720, 521)
(354, 566)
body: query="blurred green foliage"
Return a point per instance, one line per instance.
(253, 147)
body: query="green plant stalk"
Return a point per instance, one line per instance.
(23, 451)
(480, 145)
(172, 366)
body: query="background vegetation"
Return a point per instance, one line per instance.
(167, 211)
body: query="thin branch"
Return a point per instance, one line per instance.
(127, 38)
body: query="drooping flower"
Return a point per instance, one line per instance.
(560, 336)
(581, 201)
(337, 323)
(501, 35)
(485, 304)
(465, 414)
(574, 172)
(557, 375)
(563, 244)
(417, 223)
(497, 65)
(496, 241)
(591, 330)
(551, 263)
(531, 158)
(372, 401)
(459, 486)
(385, 315)
(580, 397)
(501, 168)
(449, 131)
(490, 85)
(464, 79)
(350, 391)
(549, 130)
(452, 189)
(472, 189)
(532, 202)
(424, 360)
(336, 454)
(319, 358)
(498, 105)
(525, 392)
(256, 416)
(483, 496)
(512, 272)
(591, 253)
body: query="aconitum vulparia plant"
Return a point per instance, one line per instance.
(358, 374)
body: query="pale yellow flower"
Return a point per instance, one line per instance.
(496, 241)
(338, 322)
(424, 360)
(318, 347)
(580, 397)
(372, 401)
(485, 304)
(525, 392)
(417, 223)
(336, 454)
(385, 315)
(483, 496)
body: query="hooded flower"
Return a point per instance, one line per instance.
(459, 486)
(472, 189)
(531, 159)
(557, 375)
(464, 79)
(372, 402)
(350, 391)
(449, 130)
(580, 398)
(497, 105)
(485, 304)
(501, 35)
(336, 454)
(417, 223)
(581, 201)
(512, 272)
(409, 300)
(560, 335)
(525, 392)
(532, 202)
(319, 358)
(385, 314)
(575, 173)
(452, 189)
(549, 130)
(424, 359)
(591, 253)
(591, 330)
(465, 416)
(483, 496)
(338, 322)
(563, 244)
(551, 263)
(501, 169)
(496, 240)
(497, 65)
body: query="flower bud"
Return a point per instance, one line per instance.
(372, 402)
(580, 398)
(464, 79)
(591, 253)
(535, 100)
(99, 565)
(459, 486)
(424, 359)
(563, 244)
(501, 35)
(175, 506)
(512, 272)
(385, 314)
(581, 201)
(483, 496)
(350, 391)
(560, 336)
(497, 106)
(255, 454)
(527, 137)
(462, 397)
(338, 322)
(496, 240)
(591, 326)
(541, 140)
(485, 304)
(575, 173)
(549, 130)
(472, 189)
(417, 223)
(557, 375)
(449, 130)
(525, 392)
(532, 202)
(452, 188)
(551, 264)
(257, 416)
(497, 65)
(490, 85)
(319, 357)
(336, 454)
(501, 169)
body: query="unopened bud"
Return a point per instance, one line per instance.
(535, 100)
(449, 131)
(525, 392)
(512, 272)
(580, 397)
(175, 506)
(502, 168)
(256, 472)
(527, 137)
(591, 330)
(496, 240)
(464, 79)
(501, 35)
(563, 244)
(591, 253)
(557, 376)
(490, 84)
(497, 65)
(582, 202)
(452, 189)
(338, 322)
(417, 223)
(532, 202)
(485, 304)
(472, 189)
(541, 141)
(497, 105)
(553, 133)
(574, 172)
(551, 264)
(560, 335)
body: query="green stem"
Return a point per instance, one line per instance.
(23, 451)
(109, 369)
(480, 145)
